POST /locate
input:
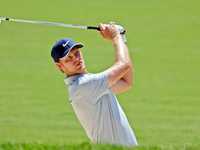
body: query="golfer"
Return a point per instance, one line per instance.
(92, 95)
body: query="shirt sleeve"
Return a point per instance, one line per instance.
(94, 86)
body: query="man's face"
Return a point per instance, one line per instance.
(73, 63)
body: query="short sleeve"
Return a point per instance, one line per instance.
(94, 86)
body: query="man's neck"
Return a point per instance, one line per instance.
(84, 72)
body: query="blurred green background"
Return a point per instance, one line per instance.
(163, 106)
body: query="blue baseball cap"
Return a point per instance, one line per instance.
(62, 48)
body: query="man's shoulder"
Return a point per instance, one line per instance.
(85, 77)
(72, 79)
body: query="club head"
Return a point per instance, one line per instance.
(0, 21)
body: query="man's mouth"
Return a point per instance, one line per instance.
(79, 63)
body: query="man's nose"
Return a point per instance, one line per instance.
(76, 57)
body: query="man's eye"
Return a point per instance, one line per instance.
(77, 53)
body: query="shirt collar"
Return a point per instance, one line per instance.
(71, 79)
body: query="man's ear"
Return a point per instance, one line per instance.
(60, 66)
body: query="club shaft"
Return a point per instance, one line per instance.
(51, 23)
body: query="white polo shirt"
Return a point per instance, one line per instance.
(98, 110)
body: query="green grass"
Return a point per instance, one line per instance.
(86, 146)
(163, 39)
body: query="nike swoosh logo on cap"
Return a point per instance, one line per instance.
(65, 44)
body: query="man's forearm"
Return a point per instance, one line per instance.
(121, 50)
(122, 55)
(117, 72)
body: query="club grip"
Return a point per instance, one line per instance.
(93, 28)
(98, 28)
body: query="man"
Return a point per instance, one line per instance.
(92, 95)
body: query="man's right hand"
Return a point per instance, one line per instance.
(108, 31)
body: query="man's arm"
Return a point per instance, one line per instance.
(121, 73)
(125, 82)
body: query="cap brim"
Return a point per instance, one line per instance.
(78, 45)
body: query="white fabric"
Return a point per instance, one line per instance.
(121, 30)
(98, 110)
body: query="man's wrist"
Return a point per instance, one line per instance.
(115, 36)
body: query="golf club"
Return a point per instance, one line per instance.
(55, 24)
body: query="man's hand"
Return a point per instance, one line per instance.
(109, 31)
(106, 28)
(122, 31)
